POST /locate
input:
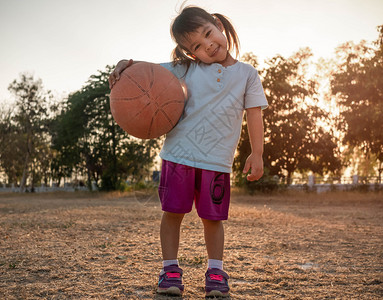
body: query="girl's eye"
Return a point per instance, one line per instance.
(196, 48)
(208, 33)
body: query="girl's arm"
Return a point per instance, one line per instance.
(255, 130)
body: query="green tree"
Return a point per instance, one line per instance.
(88, 141)
(294, 140)
(11, 142)
(358, 86)
(29, 119)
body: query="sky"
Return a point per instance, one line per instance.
(64, 42)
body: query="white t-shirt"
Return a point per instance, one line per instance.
(208, 132)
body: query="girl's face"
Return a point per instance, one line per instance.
(208, 43)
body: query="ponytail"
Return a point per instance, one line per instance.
(179, 56)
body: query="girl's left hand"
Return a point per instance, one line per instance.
(255, 163)
(115, 75)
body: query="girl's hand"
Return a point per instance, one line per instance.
(255, 163)
(115, 75)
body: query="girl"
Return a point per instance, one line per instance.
(198, 153)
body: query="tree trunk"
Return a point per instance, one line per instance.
(26, 163)
(25, 173)
(33, 179)
(289, 179)
(114, 161)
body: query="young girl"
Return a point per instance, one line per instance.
(198, 153)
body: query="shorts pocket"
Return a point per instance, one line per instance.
(162, 193)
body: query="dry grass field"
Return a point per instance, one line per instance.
(106, 246)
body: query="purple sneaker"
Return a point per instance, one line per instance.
(170, 282)
(216, 283)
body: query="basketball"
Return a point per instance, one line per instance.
(147, 101)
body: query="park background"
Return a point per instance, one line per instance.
(320, 64)
(324, 86)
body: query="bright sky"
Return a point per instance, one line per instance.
(63, 42)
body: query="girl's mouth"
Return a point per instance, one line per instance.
(215, 52)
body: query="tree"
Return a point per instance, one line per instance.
(10, 144)
(30, 116)
(294, 140)
(87, 140)
(358, 85)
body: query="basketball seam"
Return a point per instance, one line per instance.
(152, 100)
(160, 108)
(146, 93)
(139, 86)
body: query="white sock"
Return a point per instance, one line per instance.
(167, 263)
(215, 264)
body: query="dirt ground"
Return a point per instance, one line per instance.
(106, 246)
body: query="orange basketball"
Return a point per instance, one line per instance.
(147, 101)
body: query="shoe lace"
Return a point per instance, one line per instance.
(173, 275)
(216, 277)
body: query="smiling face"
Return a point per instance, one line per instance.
(208, 43)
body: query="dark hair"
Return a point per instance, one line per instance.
(189, 20)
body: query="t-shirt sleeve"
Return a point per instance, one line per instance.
(255, 95)
(177, 70)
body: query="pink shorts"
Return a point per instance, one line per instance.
(182, 185)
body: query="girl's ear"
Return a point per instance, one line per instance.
(218, 23)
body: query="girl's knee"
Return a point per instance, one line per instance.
(172, 216)
(208, 223)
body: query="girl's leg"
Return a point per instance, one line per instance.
(170, 280)
(216, 280)
(170, 234)
(214, 238)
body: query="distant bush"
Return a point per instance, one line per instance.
(267, 184)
